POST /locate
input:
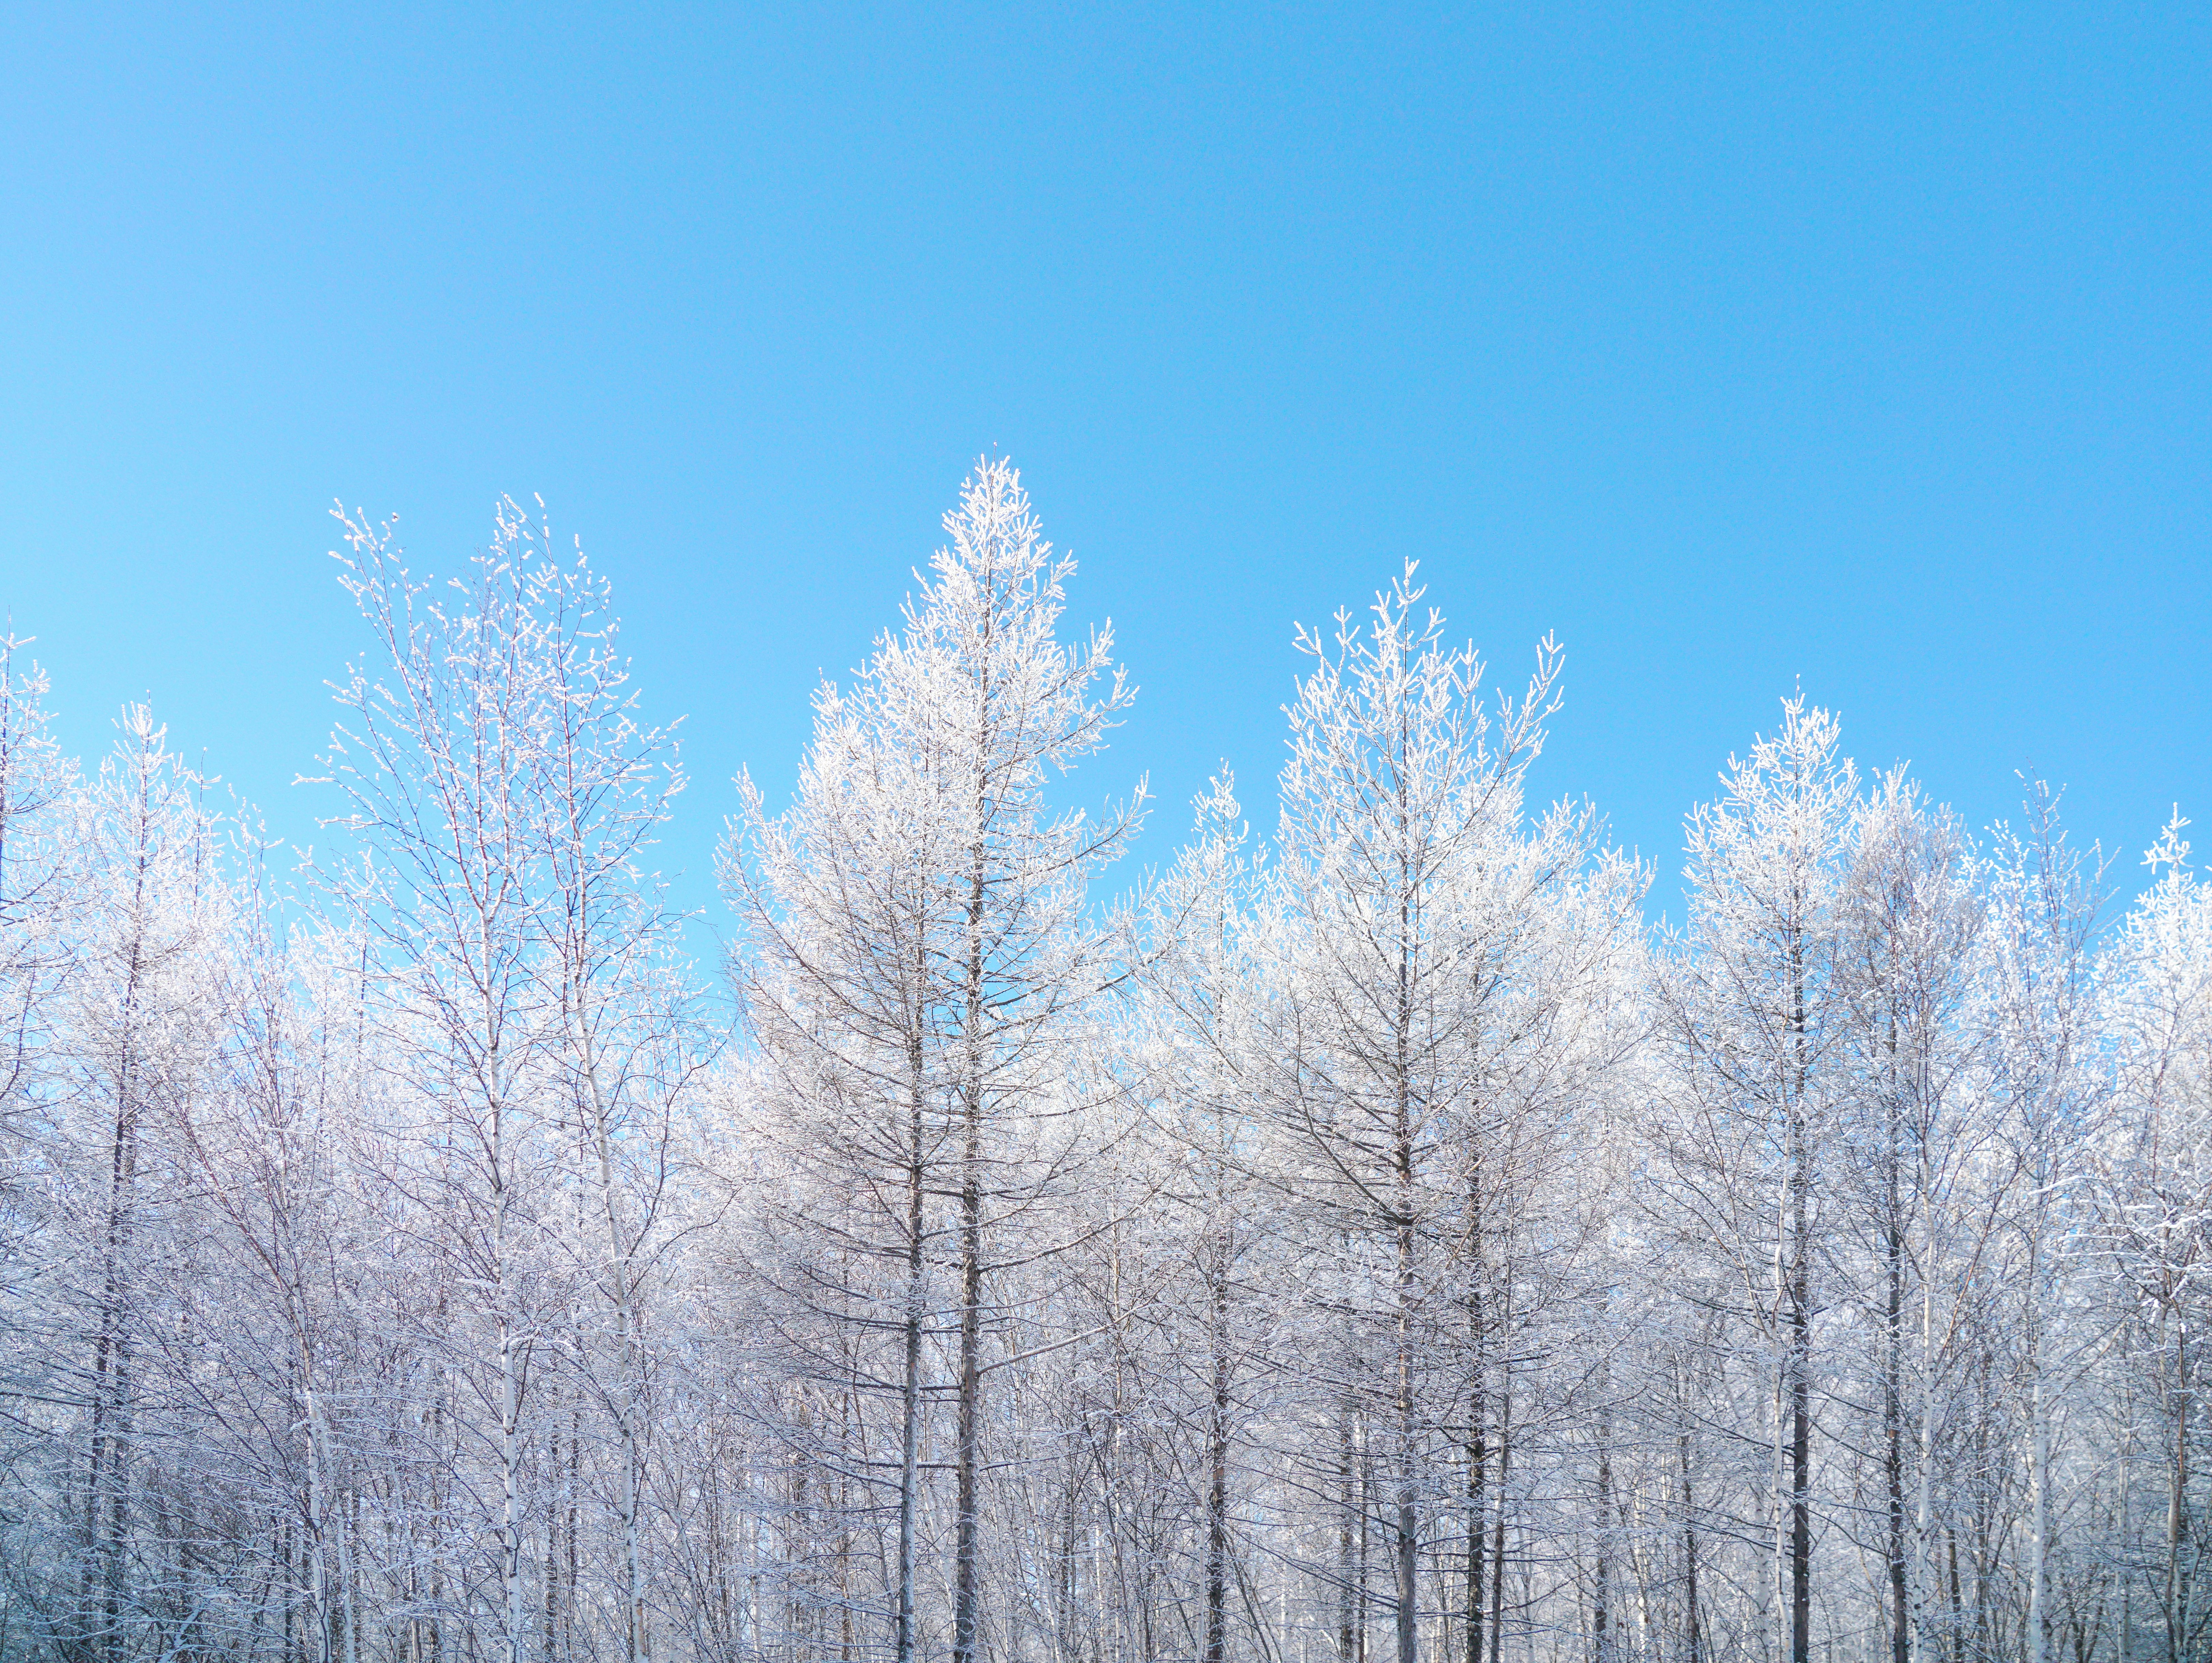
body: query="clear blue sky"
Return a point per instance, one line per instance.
(1867, 346)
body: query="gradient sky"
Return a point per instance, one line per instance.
(1863, 346)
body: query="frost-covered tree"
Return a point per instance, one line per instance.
(1911, 933)
(501, 794)
(925, 953)
(1214, 978)
(1368, 1237)
(628, 1041)
(2156, 1184)
(1750, 1012)
(35, 783)
(851, 917)
(2044, 897)
(137, 1027)
(1429, 964)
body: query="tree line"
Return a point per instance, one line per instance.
(1370, 1244)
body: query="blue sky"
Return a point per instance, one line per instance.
(1862, 346)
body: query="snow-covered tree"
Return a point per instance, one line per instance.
(1365, 1238)
(1752, 1011)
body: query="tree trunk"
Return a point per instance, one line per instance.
(1927, 1574)
(108, 1510)
(2039, 1459)
(622, 1293)
(1693, 1650)
(1217, 1500)
(1893, 1379)
(1800, 1338)
(1347, 1523)
(910, 1379)
(967, 1592)
(2177, 1514)
(511, 1365)
(318, 1565)
(1601, 1582)
(1406, 1538)
(1405, 1558)
(1497, 1537)
(1478, 1452)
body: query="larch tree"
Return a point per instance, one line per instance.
(852, 916)
(2155, 1172)
(628, 1042)
(152, 917)
(923, 912)
(1414, 876)
(978, 677)
(1750, 1012)
(2044, 897)
(442, 757)
(1212, 971)
(1911, 934)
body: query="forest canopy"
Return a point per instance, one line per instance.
(1366, 1240)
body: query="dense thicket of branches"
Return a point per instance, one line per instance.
(1369, 1241)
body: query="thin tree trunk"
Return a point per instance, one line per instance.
(1478, 1452)
(1801, 1339)
(1406, 1538)
(623, 1295)
(1347, 1515)
(1958, 1604)
(2177, 1585)
(108, 1502)
(510, 1473)
(1498, 1537)
(1892, 1385)
(1216, 1500)
(1366, 1535)
(571, 1521)
(2127, 1516)
(512, 1353)
(1926, 1573)
(2038, 1462)
(910, 1380)
(1408, 1545)
(1693, 1651)
(317, 1567)
(1600, 1602)
(550, 1606)
(968, 1547)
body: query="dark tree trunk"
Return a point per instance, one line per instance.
(1217, 1500)
(968, 1548)
(1347, 1523)
(1693, 1648)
